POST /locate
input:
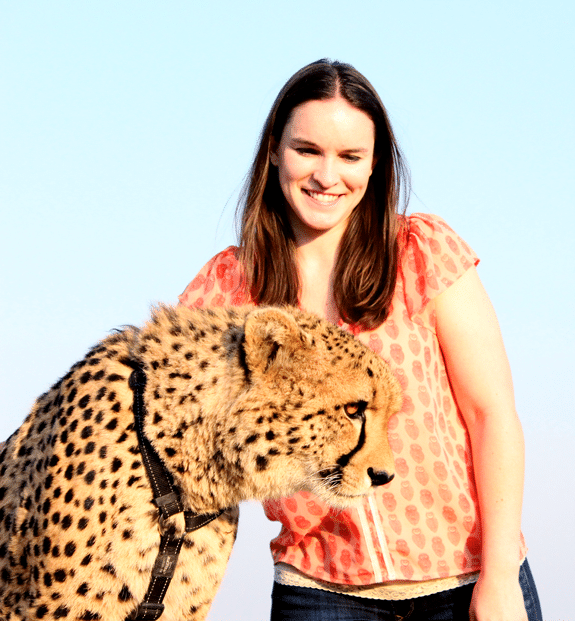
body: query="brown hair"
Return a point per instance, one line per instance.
(367, 260)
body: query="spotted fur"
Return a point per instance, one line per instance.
(241, 404)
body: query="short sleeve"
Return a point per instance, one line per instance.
(433, 258)
(218, 283)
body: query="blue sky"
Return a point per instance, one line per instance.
(126, 131)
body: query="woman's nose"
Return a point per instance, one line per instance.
(326, 173)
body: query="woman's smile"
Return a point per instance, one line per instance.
(323, 198)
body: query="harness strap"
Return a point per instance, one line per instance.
(167, 498)
(151, 607)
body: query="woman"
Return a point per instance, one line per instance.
(322, 227)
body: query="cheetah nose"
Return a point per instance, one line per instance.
(379, 478)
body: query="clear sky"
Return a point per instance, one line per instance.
(126, 129)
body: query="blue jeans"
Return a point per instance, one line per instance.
(304, 604)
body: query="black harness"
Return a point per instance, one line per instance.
(168, 500)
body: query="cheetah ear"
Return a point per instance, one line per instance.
(271, 338)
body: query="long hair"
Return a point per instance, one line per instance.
(367, 260)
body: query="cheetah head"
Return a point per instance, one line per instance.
(315, 410)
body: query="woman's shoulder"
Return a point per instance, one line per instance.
(427, 225)
(430, 236)
(432, 257)
(218, 283)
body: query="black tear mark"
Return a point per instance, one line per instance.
(344, 459)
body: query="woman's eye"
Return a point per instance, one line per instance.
(355, 410)
(351, 158)
(306, 151)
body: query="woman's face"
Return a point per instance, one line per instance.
(324, 159)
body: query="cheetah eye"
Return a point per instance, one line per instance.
(355, 410)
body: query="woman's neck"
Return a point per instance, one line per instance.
(316, 256)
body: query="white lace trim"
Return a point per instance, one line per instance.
(396, 590)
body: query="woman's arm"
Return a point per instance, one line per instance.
(480, 376)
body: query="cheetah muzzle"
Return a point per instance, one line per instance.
(240, 404)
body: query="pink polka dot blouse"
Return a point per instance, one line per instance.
(424, 524)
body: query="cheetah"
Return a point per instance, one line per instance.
(238, 404)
